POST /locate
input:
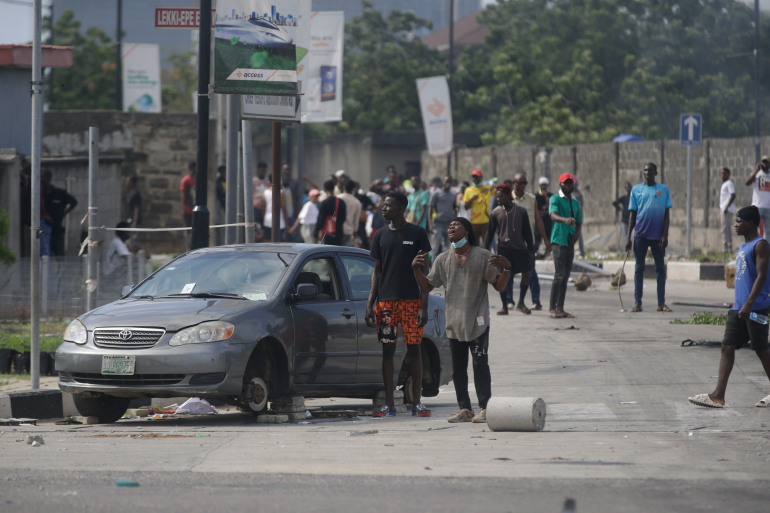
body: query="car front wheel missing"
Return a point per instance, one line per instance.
(106, 408)
(256, 395)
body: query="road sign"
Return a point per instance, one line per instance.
(690, 129)
(179, 17)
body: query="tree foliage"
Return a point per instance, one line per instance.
(179, 82)
(90, 82)
(567, 71)
(381, 65)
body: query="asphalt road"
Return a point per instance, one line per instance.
(620, 435)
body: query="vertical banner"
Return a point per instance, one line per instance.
(141, 77)
(436, 114)
(322, 101)
(254, 47)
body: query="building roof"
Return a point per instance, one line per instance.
(21, 56)
(467, 32)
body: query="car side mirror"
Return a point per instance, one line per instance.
(305, 291)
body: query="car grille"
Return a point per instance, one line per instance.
(127, 338)
(131, 381)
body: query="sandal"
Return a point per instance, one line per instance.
(705, 400)
(664, 308)
(764, 402)
(637, 308)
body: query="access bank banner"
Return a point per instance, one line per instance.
(322, 98)
(255, 49)
(141, 77)
(436, 114)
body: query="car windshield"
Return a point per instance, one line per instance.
(240, 274)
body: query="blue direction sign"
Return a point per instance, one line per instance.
(690, 129)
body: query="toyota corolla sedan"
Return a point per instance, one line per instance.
(244, 324)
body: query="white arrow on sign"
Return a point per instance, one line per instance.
(690, 122)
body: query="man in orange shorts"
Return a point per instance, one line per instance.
(398, 298)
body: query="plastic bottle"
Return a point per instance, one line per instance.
(761, 319)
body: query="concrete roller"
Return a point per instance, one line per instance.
(516, 414)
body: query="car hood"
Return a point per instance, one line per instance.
(171, 314)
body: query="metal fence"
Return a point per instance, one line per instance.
(63, 285)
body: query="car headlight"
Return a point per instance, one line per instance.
(204, 332)
(76, 333)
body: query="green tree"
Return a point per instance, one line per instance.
(569, 71)
(179, 82)
(382, 63)
(7, 256)
(90, 82)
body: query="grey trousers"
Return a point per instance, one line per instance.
(727, 232)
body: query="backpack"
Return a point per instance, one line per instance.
(330, 223)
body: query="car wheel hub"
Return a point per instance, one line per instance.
(257, 394)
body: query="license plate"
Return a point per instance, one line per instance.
(123, 365)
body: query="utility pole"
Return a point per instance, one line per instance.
(119, 59)
(450, 64)
(757, 146)
(200, 215)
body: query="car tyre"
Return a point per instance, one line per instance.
(106, 408)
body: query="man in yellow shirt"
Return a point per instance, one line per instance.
(476, 199)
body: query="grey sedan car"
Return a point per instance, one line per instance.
(243, 324)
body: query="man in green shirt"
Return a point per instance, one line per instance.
(567, 219)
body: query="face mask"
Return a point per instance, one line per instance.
(460, 243)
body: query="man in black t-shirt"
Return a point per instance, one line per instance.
(398, 298)
(58, 203)
(332, 207)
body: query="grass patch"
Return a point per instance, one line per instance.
(16, 335)
(704, 318)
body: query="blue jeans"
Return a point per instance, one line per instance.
(640, 252)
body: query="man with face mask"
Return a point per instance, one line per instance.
(567, 220)
(649, 208)
(464, 272)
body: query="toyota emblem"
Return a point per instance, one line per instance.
(125, 335)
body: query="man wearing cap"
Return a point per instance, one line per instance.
(307, 217)
(752, 296)
(567, 220)
(476, 199)
(542, 196)
(760, 198)
(649, 208)
(340, 177)
(514, 241)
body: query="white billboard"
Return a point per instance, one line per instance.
(141, 77)
(322, 101)
(436, 114)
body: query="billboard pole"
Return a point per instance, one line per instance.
(200, 215)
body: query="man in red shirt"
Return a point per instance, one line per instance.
(187, 190)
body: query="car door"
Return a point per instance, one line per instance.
(325, 345)
(359, 271)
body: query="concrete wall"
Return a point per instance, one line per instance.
(155, 147)
(602, 169)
